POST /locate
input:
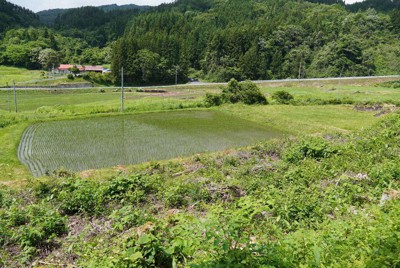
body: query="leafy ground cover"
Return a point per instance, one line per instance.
(78, 145)
(319, 201)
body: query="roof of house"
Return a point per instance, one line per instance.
(97, 68)
(66, 67)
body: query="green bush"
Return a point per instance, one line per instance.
(246, 92)
(176, 197)
(128, 217)
(147, 251)
(133, 189)
(282, 96)
(390, 84)
(213, 100)
(81, 196)
(251, 94)
(98, 78)
(16, 216)
(70, 77)
(313, 147)
(42, 229)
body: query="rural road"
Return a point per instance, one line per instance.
(255, 81)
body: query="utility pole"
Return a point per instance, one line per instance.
(176, 75)
(9, 98)
(340, 80)
(300, 69)
(15, 98)
(122, 89)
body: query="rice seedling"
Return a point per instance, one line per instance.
(84, 144)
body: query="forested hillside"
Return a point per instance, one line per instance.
(48, 17)
(217, 40)
(15, 16)
(381, 5)
(257, 40)
(81, 35)
(39, 48)
(96, 26)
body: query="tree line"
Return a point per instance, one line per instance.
(270, 39)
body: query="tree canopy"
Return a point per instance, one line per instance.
(15, 16)
(262, 39)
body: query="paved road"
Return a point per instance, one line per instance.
(304, 80)
(255, 81)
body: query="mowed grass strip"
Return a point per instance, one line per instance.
(79, 145)
(355, 93)
(306, 120)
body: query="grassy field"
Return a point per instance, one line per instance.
(30, 100)
(303, 118)
(8, 74)
(306, 120)
(25, 77)
(327, 196)
(78, 145)
(354, 93)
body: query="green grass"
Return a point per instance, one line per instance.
(299, 202)
(8, 74)
(35, 105)
(25, 77)
(354, 93)
(86, 99)
(305, 120)
(319, 199)
(85, 144)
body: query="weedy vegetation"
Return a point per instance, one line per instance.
(326, 194)
(326, 201)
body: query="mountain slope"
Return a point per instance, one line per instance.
(15, 16)
(48, 17)
(252, 39)
(379, 5)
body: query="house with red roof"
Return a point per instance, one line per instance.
(65, 68)
(95, 69)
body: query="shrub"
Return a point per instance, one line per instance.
(213, 100)
(127, 217)
(282, 96)
(81, 197)
(390, 84)
(42, 230)
(246, 92)
(175, 197)
(316, 148)
(70, 76)
(251, 94)
(146, 251)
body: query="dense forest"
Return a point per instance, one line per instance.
(257, 40)
(48, 17)
(217, 40)
(15, 16)
(81, 36)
